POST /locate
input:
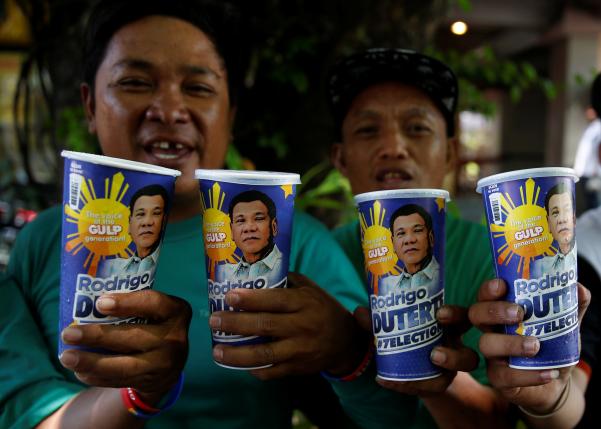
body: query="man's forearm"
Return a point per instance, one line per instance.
(96, 407)
(468, 404)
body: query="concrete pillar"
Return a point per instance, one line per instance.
(575, 50)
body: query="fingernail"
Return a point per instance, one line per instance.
(215, 322)
(444, 313)
(530, 346)
(493, 286)
(217, 354)
(513, 311)
(438, 357)
(232, 298)
(71, 334)
(69, 359)
(106, 303)
(549, 375)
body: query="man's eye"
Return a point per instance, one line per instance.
(418, 128)
(198, 89)
(134, 84)
(366, 131)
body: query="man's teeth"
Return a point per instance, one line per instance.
(392, 176)
(165, 156)
(167, 145)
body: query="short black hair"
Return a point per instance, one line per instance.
(409, 209)
(596, 95)
(149, 191)
(355, 73)
(560, 188)
(250, 196)
(218, 20)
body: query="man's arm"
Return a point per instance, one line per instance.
(548, 398)
(149, 358)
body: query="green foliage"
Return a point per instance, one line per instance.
(481, 68)
(325, 188)
(72, 131)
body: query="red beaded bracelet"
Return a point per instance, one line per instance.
(134, 404)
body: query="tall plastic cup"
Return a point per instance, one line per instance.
(531, 218)
(402, 235)
(247, 227)
(114, 215)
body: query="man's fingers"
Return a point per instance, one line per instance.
(117, 338)
(253, 356)
(116, 371)
(422, 387)
(501, 345)
(454, 319)
(269, 300)
(461, 359)
(148, 304)
(492, 290)
(495, 313)
(503, 377)
(245, 323)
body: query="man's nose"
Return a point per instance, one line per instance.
(250, 226)
(147, 220)
(409, 239)
(393, 144)
(168, 106)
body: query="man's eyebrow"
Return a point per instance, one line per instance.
(134, 63)
(144, 65)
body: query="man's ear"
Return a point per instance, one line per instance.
(431, 239)
(337, 157)
(87, 99)
(452, 153)
(274, 227)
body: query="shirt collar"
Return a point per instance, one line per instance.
(269, 261)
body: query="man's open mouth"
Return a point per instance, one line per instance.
(393, 176)
(167, 150)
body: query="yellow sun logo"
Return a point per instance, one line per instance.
(376, 241)
(523, 228)
(217, 230)
(102, 223)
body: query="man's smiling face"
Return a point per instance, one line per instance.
(161, 97)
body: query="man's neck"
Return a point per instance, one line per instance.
(184, 207)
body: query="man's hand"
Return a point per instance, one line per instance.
(452, 356)
(148, 357)
(310, 331)
(537, 391)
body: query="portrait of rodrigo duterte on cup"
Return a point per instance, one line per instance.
(246, 231)
(403, 245)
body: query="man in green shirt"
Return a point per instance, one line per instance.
(395, 113)
(159, 88)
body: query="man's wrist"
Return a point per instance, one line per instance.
(359, 348)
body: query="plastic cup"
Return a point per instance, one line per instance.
(114, 215)
(402, 235)
(247, 226)
(531, 218)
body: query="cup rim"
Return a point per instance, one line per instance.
(248, 177)
(119, 163)
(526, 174)
(402, 193)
